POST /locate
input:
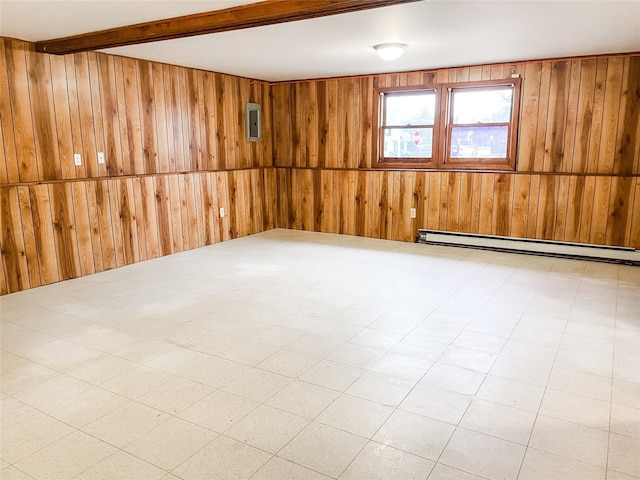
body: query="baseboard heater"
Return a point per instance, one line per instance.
(581, 251)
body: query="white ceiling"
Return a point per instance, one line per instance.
(440, 33)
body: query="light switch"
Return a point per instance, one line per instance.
(100, 157)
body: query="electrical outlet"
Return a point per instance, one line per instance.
(77, 159)
(100, 157)
(413, 213)
(221, 212)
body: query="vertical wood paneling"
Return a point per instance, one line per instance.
(21, 112)
(579, 121)
(30, 247)
(13, 250)
(44, 234)
(10, 164)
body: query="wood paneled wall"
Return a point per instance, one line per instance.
(147, 117)
(62, 230)
(174, 140)
(578, 163)
(376, 203)
(175, 152)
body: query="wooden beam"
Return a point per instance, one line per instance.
(268, 12)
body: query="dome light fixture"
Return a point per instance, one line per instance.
(390, 51)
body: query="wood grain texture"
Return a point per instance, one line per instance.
(574, 208)
(146, 117)
(62, 230)
(268, 12)
(176, 154)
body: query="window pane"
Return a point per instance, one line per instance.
(482, 106)
(479, 142)
(410, 109)
(408, 142)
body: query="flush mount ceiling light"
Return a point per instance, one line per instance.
(390, 51)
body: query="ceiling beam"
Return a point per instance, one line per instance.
(268, 12)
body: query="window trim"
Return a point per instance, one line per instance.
(508, 163)
(378, 141)
(440, 158)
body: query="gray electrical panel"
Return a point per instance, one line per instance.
(254, 123)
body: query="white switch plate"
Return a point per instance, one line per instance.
(100, 157)
(413, 213)
(221, 212)
(77, 159)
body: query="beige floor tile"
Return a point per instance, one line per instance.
(480, 341)
(30, 435)
(323, 449)
(125, 424)
(576, 408)
(381, 388)
(178, 361)
(521, 370)
(443, 472)
(402, 366)
(102, 369)
(218, 411)
(356, 355)
(415, 434)
(335, 376)
(205, 328)
(223, 459)
(624, 455)
(53, 391)
(529, 351)
(302, 398)
(538, 464)
(482, 455)
(171, 443)
(279, 469)
(137, 382)
(570, 440)
(499, 421)
(66, 458)
(249, 352)
(257, 385)
(315, 345)
(288, 363)
(215, 372)
(27, 376)
(580, 383)
(512, 393)
(468, 358)
(277, 336)
(122, 466)
(625, 420)
(455, 379)
(267, 428)
(625, 393)
(12, 473)
(377, 339)
(85, 407)
(355, 415)
(586, 362)
(71, 358)
(175, 395)
(380, 462)
(613, 475)
(14, 411)
(436, 403)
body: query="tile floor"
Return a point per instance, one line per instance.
(295, 355)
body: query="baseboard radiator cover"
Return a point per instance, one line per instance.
(549, 248)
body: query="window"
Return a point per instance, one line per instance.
(407, 127)
(469, 125)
